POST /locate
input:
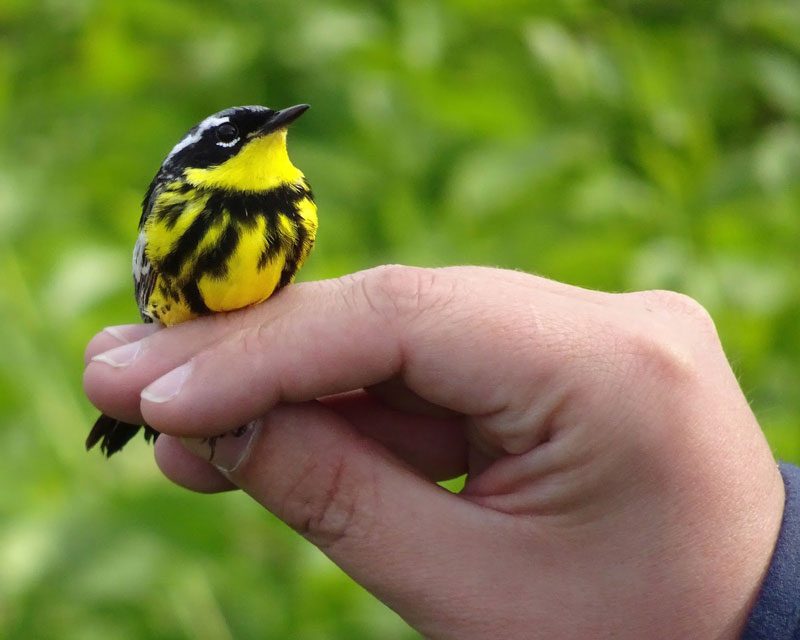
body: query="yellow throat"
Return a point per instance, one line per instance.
(261, 165)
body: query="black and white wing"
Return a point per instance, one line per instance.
(144, 276)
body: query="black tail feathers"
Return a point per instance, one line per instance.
(113, 434)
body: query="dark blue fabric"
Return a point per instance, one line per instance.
(776, 614)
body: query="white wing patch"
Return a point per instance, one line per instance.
(195, 134)
(144, 277)
(141, 267)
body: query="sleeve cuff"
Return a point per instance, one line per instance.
(776, 614)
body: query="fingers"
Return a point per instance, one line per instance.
(455, 336)
(112, 337)
(186, 469)
(391, 530)
(125, 359)
(434, 446)
(396, 394)
(502, 347)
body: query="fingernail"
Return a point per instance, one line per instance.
(227, 452)
(167, 386)
(131, 332)
(120, 356)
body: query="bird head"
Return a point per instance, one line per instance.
(237, 149)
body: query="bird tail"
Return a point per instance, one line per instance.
(113, 434)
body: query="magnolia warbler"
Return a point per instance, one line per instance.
(226, 222)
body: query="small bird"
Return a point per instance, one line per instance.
(226, 222)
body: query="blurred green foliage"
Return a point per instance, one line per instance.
(619, 145)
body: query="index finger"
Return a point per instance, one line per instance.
(456, 336)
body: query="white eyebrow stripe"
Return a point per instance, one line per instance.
(194, 136)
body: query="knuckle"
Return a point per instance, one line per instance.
(655, 356)
(660, 340)
(325, 504)
(679, 307)
(394, 291)
(351, 292)
(251, 341)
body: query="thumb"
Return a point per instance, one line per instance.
(387, 527)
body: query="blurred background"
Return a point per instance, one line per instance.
(617, 145)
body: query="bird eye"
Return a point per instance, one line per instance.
(227, 133)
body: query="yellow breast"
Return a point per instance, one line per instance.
(233, 264)
(245, 282)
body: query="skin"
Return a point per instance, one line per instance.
(619, 484)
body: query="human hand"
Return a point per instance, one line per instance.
(619, 485)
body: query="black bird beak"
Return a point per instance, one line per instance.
(284, 118)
